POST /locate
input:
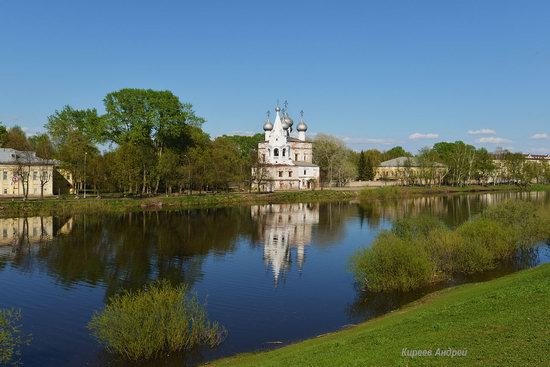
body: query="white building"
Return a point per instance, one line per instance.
(285, 159)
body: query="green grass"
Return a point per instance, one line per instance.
(156, 321)
(503, 322)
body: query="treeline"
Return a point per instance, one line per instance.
(456, 164)
(153, 143)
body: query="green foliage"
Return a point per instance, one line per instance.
(392, 263)
(395, 152)
(474, 246)
(16, 138)
(416, 227)
(335, 160)
(11, 337)
(157, 320)
(3, 134)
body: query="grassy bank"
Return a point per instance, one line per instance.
(503, 322)
(60, 206)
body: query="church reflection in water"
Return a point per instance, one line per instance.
(285, 230)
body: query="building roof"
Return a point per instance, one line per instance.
(405, 162)
(537, 157)
(11, 156)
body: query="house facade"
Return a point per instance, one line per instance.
(285, 159)
(22, 172)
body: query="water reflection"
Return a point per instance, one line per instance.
(77, 262)
(285, 229)
(452, 209)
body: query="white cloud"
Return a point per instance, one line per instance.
(539, 136)
(493, 140)
(482, 132)
(417, 136)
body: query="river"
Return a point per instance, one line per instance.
(271, 274)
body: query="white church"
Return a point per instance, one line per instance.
(286, 158)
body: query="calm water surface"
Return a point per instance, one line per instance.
(270, 274)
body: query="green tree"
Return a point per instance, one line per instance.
(395, 152)
(370, 169)
(43, 146)
(16, 139)
(148, 118)
(3, 134)
(362, 167)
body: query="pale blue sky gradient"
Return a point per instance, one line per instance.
(371, 72)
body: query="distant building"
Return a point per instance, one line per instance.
(285, 161)
(410, 170)
(21, 170)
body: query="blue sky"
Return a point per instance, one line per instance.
(375, 73)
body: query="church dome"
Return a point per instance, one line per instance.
(288, 120)
(268, 126)
(285, 124)
(301, 126)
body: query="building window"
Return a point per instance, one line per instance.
(305, 172)
(290, 174)
(34, 175)
(305, 157)
(276, 152)
(5, 233)
(280, 173)
(5, 175)
(284, 152)
(263, 157)
(295, 156)
(5, 191)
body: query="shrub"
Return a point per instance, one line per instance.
(11, 338)
(415, 227)
(392, 264)
(159, 319)
(444, 246)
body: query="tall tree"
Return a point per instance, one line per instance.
(370, 169)
(148, 118)
(3, 134)
(362, 167)
(42, 145)
(16, 139)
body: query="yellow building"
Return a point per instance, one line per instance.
(22, 172)
(410, 171)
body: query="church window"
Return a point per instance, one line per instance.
(305, 172)
(280, 173)
(295, 156)
(276, 152)
(290, 174)
(284, 152)
(263, 157)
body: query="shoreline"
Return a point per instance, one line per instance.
(461, 319)
(64, 205)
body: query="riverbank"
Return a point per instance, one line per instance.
(70, 205)
(502, 322)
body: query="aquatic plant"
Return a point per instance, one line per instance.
(11, 337)
(157, 320)
(422, 250)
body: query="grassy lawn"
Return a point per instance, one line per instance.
(503, 322)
